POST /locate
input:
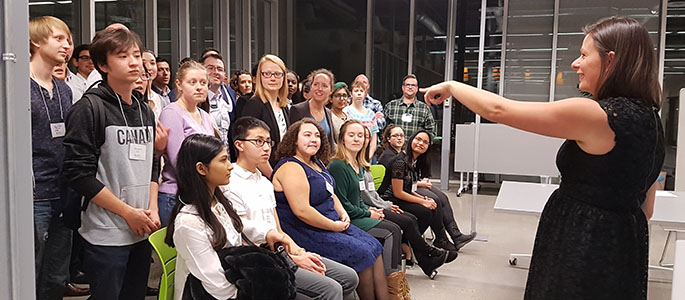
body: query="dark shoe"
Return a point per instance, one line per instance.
(72, 290)
(431, 261)
(79, 278)
(463, 239)
(451, 256)
(444, 244)
(151, 291)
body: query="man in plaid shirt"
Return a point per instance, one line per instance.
(370, 103)
(408, 113)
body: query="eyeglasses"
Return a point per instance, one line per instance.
(340, 96)
(260, 142)
(213, 68)
(145, 76)
(84, 57)
(411, 85)
(397, 136)
(272, 74)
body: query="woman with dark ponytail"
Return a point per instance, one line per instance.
(203, 221)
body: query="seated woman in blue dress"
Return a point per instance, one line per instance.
(313, 216)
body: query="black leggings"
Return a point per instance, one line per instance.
(425, 217)
(410, 230)
(390, 235)
(445, 208)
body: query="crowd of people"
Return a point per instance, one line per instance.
(260, 156)
(120, 151)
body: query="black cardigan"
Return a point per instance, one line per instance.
(301, 110)
(260, 110)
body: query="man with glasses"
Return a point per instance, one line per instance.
(84, 65)
(219, 107)
(408, 113)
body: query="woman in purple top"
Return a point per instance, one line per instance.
(182, 118)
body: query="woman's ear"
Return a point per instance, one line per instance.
(611, 55)
(201, 168)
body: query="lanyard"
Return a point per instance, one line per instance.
(59, 99)
(140, 110)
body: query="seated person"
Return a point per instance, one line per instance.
(203, 221)
(436, 211)
(313, 216)
(252, 197)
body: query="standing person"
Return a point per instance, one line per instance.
(240, 103)
(371, 103)
(84, 65)
(115, 170)
(204, 221)
(270, 103)
(293, 80)
(408, 113)
(152, 99)
(606, 257)
(252, 197)
(313, 216)
(241, 82)
(357, 111)
(50, 103)
(339, 99)
(315, 108)
(182, 118)
(160, 84)
(215, 105)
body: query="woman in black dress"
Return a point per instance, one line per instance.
(592, 240)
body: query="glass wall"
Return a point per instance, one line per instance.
(674, 79)
(527, 70)
(201, 26)
(128, 12)
(390, 27)
(67, 11)
(164, 48)
(234, 7)
(330, 34)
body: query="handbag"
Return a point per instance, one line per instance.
(257, 272)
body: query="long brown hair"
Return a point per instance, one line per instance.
(633, 70)
(288, 146)
(345, 155)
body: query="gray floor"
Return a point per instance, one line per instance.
(482, 270)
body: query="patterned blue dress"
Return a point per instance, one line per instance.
(353, 247)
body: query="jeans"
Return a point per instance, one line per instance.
(52, 250)
(117, 272)
(166, 203)
(339, 280)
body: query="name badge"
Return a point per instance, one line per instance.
(58, 129)
(406, 118)
(372, 186)
(224, 123)
(329, 188)
(213, 106)
(413, 187)
(137, 152)
(362, 186)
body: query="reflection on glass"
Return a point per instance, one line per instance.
(131, 13)
(201, 26)
(67, 11)
(527, 68)
(674, 79)
(164, 29)
(390, 25)
(330, 34)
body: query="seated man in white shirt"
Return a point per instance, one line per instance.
(252, 196)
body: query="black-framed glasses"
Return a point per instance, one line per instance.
(84, 57)
(272, 74)
(397, 136)
(260, 142)
(341, 96)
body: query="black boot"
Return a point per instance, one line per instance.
(441, 241)
(459, 239)
(431, 261)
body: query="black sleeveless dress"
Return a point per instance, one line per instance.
(592, 239)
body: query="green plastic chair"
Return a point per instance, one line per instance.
(167, 256)
(378, 172)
